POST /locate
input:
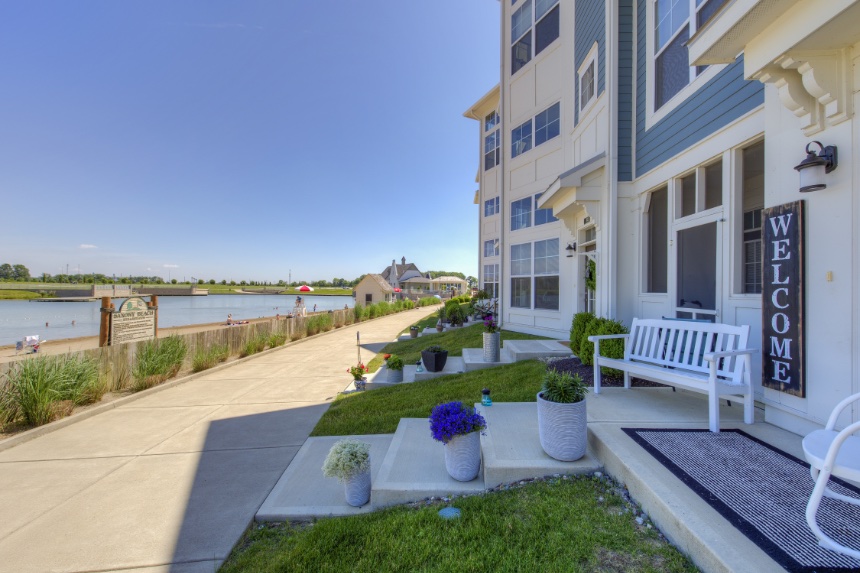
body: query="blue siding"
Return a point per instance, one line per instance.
(625, 90)
(589, 27)
(725, 98)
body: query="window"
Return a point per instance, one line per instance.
(547, 124)
(491, 206)
(545, 15)
(521, 264)
(492, 141)
(491, 248)
(700, 190)
(491, 280)
(752, 201)
(586, 85)
(673, 26)
(521, 214)
(658, 240)
(543, 216)
(546, 274)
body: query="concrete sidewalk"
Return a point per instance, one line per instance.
(170, 481)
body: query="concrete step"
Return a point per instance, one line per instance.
(454, 365)
(473, 359)
(528, 349)
(511, 446)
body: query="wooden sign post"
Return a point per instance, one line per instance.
(783, 344)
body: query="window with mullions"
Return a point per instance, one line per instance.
(543, 216)
(521, 139)
(545, 16)
(521, 214)
(752, 201)
(491, 121)
(492, 150)
(673, 26)
(586, 85)
(491, 206)
(546, 274)
(521, 264)
(491, 280)
(491, 248)
(547, 124)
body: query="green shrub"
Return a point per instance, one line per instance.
(371, 311)
(205, 358)
(581, 320)
(358, 312)
(455, 315)
(395, 362)
(427, 301)
(562, 387)
(277, 339)
(612, 348)
(157, 361)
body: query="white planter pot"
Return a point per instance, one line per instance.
(563, 429)
(492, 352)
(357, 489)
(395, 376)
(463, 456)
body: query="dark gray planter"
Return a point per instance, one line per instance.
(434, 361)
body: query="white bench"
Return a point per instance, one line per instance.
(701, 356)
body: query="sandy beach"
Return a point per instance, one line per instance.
(65, 345)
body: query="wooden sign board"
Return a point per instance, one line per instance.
(783, 343)
(132, 322)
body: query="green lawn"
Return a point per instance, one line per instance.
(9, 294)
(560, 524)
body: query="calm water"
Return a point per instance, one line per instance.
(19, 318)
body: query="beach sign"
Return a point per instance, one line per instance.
(132, 322)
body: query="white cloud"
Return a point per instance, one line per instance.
(171, 266)
(86, 246)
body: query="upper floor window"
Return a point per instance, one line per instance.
(673, 26)
(492, 150)
(491, 248)
(547, 125)
(587, 78)
(700, 190)
(543, 216)
(491, 121)
(521, 214)
(527, 40)
(491, 206)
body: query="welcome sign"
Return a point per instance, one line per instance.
(783, 360)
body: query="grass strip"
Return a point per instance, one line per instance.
(579, 524)
(379, 411)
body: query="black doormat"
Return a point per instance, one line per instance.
(760, 490)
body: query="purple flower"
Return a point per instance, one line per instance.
(450, 420)
(490, 324)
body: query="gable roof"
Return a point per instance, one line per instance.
(399, 270)
(381, 282)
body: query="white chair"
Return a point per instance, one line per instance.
(832, 453)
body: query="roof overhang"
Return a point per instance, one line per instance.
(571, 192)
(488, 102)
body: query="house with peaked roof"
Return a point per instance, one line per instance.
(372, 289)
(396, 274)
(647, 158)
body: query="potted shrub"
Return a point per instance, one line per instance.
(434, 358)
(440, 326)
(492, 351)
(413, 331)
(395, 369)
(561, 416)
(458, 427)
(358, 373)
(349, 461)
(455, 316)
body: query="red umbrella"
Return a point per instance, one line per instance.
(305, 288)
(397, 290)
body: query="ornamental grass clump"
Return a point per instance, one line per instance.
(563, 388)
(157, 361)
(347, 458)
(447, 421)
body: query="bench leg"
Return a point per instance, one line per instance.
(627, 379)
(596, 367)
(749, 408)
(713, 411)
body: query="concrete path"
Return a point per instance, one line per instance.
(170, 481)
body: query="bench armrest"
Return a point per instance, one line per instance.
(712, 356)
(605, 336)
(837, 410)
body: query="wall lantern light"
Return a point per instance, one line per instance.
(815, 166)
(570, 248)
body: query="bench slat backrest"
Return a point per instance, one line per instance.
(683, 344)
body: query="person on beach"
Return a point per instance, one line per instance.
(315, 308)
(229, 319)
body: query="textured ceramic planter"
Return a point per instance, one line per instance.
(562, 428)
(434, 361)
(492, 352)
(463, 456)
(413, 333)
(357, 489)
(395, 376)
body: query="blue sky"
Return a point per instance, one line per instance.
(241, 139)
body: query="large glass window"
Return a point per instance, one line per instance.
(492, 152)
(752, 202)
(521, 259)
(673, 26)
(700, 190)
(545, 15)
(547, 124)
(543, 216)
(491, 121)
(546, 257)
(521, 288)
(491, 248)
(521, 139)
(521, 264)
(491, 280)
(658, 240)
(546, 292)
(521, 214)
(491, 206)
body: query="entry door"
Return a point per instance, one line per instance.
(698, 276)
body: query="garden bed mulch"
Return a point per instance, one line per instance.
(574, 366)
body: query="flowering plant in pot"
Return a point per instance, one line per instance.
(349, 461)
(358, 373)
(458, 427)
(492, 339)
(395, 369)
(562, 416)
(434, 357)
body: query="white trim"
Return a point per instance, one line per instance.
(590, 60)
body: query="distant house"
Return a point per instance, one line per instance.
(395, 274)
(373, 289)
